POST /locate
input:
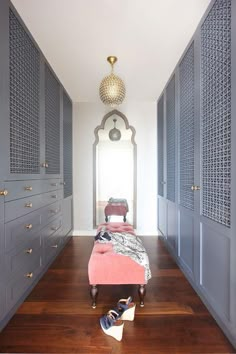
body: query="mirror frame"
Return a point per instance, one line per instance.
(127, 126)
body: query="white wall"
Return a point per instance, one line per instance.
(142, 116)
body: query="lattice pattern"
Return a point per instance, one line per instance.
(186, 139)
(67, 145)
(52, 122)
(160, 126)
(24, 101)
(170, 139)
(216, 112)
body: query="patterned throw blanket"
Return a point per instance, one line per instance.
(127, 245)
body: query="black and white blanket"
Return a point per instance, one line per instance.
(127, 245)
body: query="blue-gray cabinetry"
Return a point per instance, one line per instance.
(199, 226)
(36, 163)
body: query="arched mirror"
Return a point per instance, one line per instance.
(114, 165)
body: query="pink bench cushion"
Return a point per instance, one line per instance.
(117, 227)
(115, 209)
(107, 267)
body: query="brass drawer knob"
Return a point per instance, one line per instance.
(54, 246)
(28, 188)
(54, 228)
(45, 165)
(3, 192)
(28, 226)
(29, 275)
(29, 250)
(54, 196)
(195, 188)
(163, 182)
(28, 205)
(54, 184)
(54, 211)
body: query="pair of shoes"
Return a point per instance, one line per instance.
(112, 323)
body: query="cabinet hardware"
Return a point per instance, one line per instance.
(3, 192)
(28, 205)
(163, 182)
(28, 226)
(54, 196)
(54, 211)
(29, 275)
(53, 228)
(45, 164)
(54, 246)
(29, 250)
(28, 188)
(63, 183)
(195, 188)
(54, 184)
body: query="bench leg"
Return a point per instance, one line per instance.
(142, 293)
(106, 218)
(94, 295)
(124, 218)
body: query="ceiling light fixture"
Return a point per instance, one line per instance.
(112, 88)
(114, 133)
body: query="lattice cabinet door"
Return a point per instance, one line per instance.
(171, 139)
(52, 123)
(160, 146)
(67, 145)
(24, 100)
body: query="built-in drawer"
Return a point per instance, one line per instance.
(51, 211)
(23, 189)
(53, 196)
(24, 260)
(19, 285)
(52, 245)
(2, 199)
(20, 207)
(23, 206)
(22, 230)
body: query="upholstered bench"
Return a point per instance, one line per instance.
(107, 267)
(115, 209)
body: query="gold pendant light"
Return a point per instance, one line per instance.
(112, 88)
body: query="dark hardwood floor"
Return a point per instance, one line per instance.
(57, 316)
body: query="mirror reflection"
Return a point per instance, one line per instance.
(115, 162)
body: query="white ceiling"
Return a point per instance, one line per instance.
(147, 36)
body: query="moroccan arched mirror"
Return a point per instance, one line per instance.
(114, 166)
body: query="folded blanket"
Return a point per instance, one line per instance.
(127, 245)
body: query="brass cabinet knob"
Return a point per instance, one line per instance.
(29, 250)
(54, 211)
(29, 205)
(54, 228)
(28, 226)
(28, 188)
(54, 246)
(3, 193)
(29, 275)
(163, 182)
(54, 184)
(63, 183)
(45, 165)
(195, 188)
(54, 196)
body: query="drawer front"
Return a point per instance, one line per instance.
(52, 184)
(24, 260)
(51, 211)
(22, 230)
(23, 189)
(51, 228)
(20, 207)
(52, 246)
(18, 286)
(53, 196)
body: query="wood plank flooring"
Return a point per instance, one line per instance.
(57, 316)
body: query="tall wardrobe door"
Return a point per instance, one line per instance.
(52, 123)
(170, 139)
(160, 132)
(186, 158)
(67, 145)
(24, 101)
(216, 154)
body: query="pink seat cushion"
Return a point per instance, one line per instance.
(107, 267)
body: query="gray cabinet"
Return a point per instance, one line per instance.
(35, 135)
(202, 236)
